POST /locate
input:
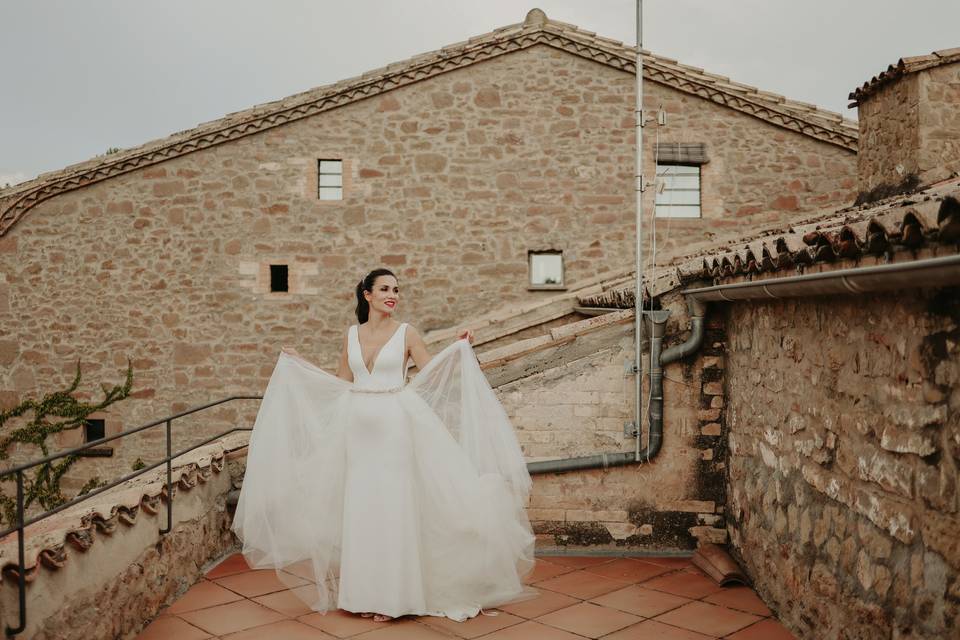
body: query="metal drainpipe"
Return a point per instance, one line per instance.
(930, 272)
(657, 360)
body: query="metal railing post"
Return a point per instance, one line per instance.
(23, 521)
(22, 572)
(169, 484)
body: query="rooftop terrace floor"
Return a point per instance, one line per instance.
(581, 597)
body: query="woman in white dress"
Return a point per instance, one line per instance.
(390, 498)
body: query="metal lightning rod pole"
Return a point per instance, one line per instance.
(638, 293)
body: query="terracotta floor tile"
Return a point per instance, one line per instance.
(763, 630)
(404, 629)
(202, 595)
(578, 562)
(341, 623)
(236, 616)
(234, 564)
(547, 602)
(640, 601)
(302, 569)
(531, 630)
(287, 602)
(588, 619)
(581, 584)
(708, 619)
(688, 584)
(671, 562)
(472, 628)
(741, 599)
(628, 570)
(166, 627)
(258, 582)
(283, 630)
(653, 630)
(544, 569)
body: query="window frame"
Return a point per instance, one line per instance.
(531, 285)
(322, 188)
(660, 208)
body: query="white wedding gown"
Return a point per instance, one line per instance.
(391, 498)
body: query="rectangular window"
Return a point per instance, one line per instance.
(678, 191)
(279, 277)
(93, 429)
(546, 269)
(330, 179)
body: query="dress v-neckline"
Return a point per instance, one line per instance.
(369, 371)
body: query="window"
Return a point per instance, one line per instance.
(279, 277)
(93, 429)
(330, 179)
(678, 191)
(546, 269)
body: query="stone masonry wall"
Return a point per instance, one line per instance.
(889, 136)
(126, 573)
(450, 182)
(844, 420)
(939, 122)
(910, 131)
(580, 408)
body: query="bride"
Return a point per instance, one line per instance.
(390, 498)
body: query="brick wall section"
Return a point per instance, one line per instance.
(450, 182)
(844, 449)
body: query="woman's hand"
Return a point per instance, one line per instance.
(466, 333)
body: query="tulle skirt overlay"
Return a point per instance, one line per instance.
(395, 501)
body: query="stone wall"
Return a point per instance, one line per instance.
(579, 408)
(889, 137)
(910, 132)
(939, 122)
(450, 182)
(844, 449)
(115, 575)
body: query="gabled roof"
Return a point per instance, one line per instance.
(536, 29)
(904, 66)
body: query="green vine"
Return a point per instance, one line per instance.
(54, 413)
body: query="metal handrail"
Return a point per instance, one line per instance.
(168, 460)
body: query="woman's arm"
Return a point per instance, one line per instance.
(343, 368)
(417, 349)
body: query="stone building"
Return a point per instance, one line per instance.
(492, 172)
(814, 430)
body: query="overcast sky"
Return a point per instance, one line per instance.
(80, 76)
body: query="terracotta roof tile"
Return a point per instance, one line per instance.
(49, 542)
(795, 116)
(903, 67)
(900, 225)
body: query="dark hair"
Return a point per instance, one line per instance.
(363, 307)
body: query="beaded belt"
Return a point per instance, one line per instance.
(393, 390)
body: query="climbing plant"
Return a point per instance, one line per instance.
(55, 412)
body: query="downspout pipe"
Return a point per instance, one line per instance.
(658, 321)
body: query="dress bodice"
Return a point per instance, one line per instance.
(388, 369)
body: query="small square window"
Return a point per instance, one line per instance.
(94, 429)
(279, 277)
(678, 191)
(330, 179)
(546, 269)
